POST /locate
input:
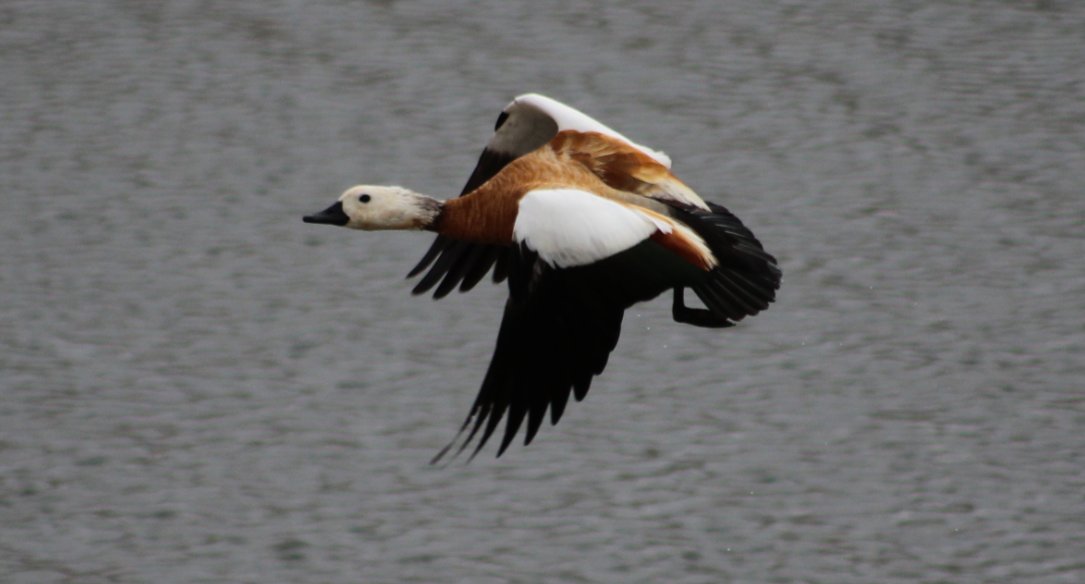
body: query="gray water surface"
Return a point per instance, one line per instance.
(199, 388)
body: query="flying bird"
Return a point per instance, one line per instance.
(583, 223)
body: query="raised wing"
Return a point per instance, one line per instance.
(526, 124)
(625, 168)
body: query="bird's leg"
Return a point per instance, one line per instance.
(701, 317)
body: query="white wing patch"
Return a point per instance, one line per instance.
(570, 227)
(568, 118)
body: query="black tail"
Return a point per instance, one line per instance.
(747, 277)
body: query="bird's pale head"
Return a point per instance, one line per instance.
(373, 207)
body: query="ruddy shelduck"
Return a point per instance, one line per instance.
(583, 223)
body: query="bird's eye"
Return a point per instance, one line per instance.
(364, 198)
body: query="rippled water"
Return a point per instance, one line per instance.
(197, 387)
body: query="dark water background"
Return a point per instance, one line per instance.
(197, 387)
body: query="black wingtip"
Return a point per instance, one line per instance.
(534, 421)
(513, 421)
(438, 245)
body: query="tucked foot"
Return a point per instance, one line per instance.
(701, 317)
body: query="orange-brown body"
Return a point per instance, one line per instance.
(589, 161)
